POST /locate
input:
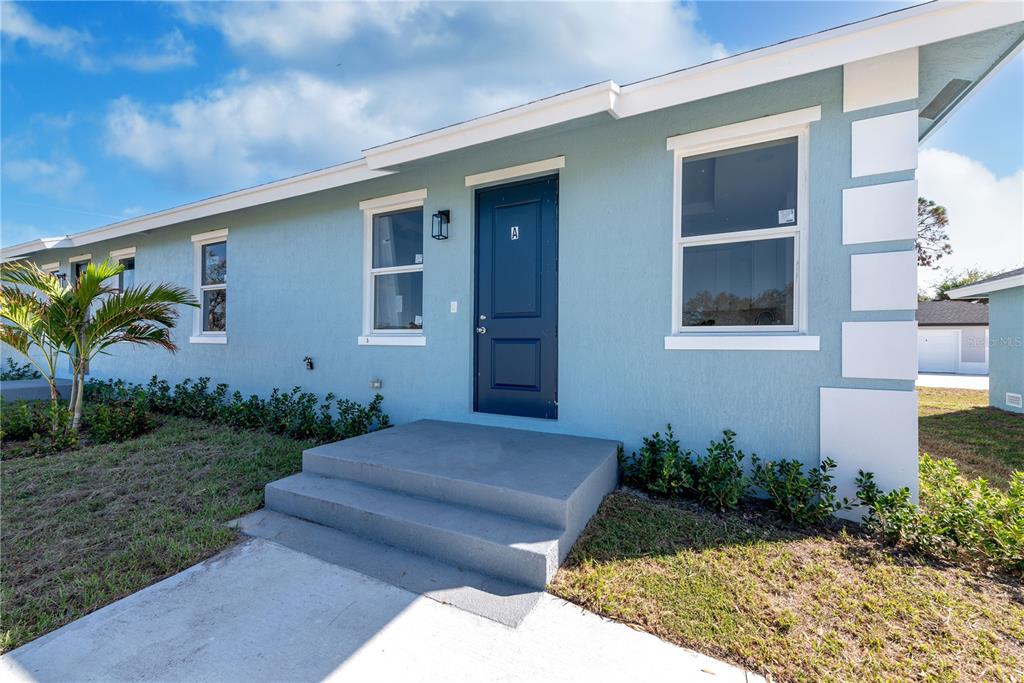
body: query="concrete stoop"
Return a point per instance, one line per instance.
(479, 517)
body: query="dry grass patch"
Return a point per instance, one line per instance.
(84, 528)
(982, 440)
(798, 607)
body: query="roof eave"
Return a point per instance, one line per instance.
(983, 289)
(899, 30)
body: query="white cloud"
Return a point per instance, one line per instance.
(537, 42)
(247, 130)
(78, 46)
(287, 30)
(986, 212)
(59, 177)
(169, 51)
(18, 25)
(325, 80)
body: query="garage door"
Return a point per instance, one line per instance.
(936, 350)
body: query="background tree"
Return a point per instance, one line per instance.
(952, 279)
(932, 238)
(86, 317)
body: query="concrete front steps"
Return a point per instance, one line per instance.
(483, 509)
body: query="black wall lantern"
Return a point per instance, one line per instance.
(439, 224)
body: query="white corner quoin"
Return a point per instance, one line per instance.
(880, 350)
(880, 213)
(880, 80)
(884, 144)
(883, 282)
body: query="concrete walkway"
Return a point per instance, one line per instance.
(263, 612)
(934, 379)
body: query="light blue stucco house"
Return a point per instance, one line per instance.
(1005, 294)
(725, 246)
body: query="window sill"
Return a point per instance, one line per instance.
(742, 342)
(208, 339)
(393, 340)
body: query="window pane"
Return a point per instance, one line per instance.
(127, 277)
(741, 283)
(215, 305)
(740, 189)
(80, 267)
(398, 238)
(215, 263)
(398, 301)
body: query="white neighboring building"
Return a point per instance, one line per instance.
(952, 337)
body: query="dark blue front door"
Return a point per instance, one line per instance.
(517, 299)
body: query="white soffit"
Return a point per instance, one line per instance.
(883, 144)
(880, 80)
(871, 430)
(880, 213)
(880, 350)
(883, 282)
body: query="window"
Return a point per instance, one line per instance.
(126, 279)
(125, 257)
(393, 285)
(77, 265)
(741, 230)
(211, 286)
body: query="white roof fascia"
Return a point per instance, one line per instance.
(593, 99)
(982, 289)
(334, 176)
(898, 30)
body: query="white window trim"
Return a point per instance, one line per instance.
(198, 241)
(745, 337)
(50, 268)
(118, 254)
(516, 172)
(370, 208)
(80, 258)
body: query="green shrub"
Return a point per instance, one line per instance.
(956, 518)
(119, 420)
(660, 466)
(806, 500)
(19, 421)
(14, 371)
(45, 428)
(296, 414)
(718, 476)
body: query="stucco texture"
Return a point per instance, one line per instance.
(1006, 346)
(295, 288)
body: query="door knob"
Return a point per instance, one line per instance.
(481, 330)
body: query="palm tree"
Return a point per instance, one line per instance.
(34, 320)
(86, 317)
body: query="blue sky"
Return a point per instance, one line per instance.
(111, 110)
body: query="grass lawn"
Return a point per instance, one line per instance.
(84, 528)
(982, 440)
(834, 607)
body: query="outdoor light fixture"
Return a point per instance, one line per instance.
(309, 362)
(439, 224)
